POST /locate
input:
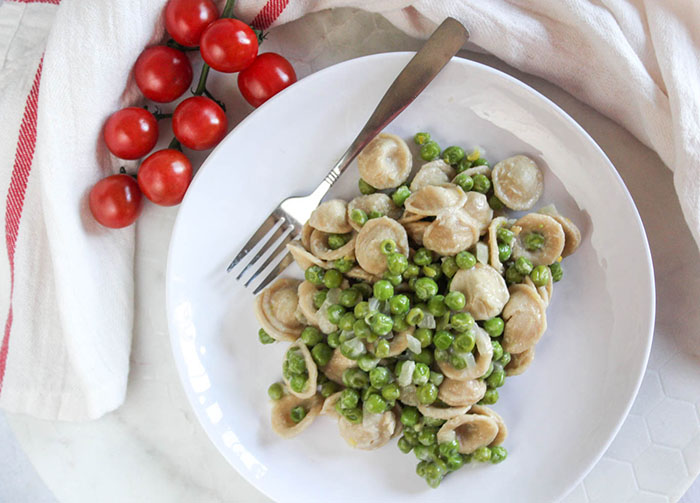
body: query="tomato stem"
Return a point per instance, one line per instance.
(211, 96)
(160, 116)
(201, 85)
(179, 47)
(175, 144)
(228, 8)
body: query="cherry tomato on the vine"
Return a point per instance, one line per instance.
(162, 73)
(115, 201)
(265, 77)
(199, 123)
(131, 133)
(228, 45)
(185, 20)
(164, 176)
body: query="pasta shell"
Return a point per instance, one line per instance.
(369, 240)
(312, 382)
(416, 230)
(275, 309)
(436, 172)
(479, 170)
(494, 261)
(374, 431)
(409, 217)
(461, 393)
(483, 357)
(549, 228)
(331, 217)
(305, 237)
(470, 430)
(320, 248)
(545, 292)
(337, 365)
(306, 293)
(525, 319)
(519, 362)
(304, 258)
(442, 412)
(484, 289)
(451, 232)
(477, 206)
(373, 202)
(572, 234)
(281, 419)
(398, 344)
(385, 162)
(432, 199)
(502, 429)
(358, 272)
(517, 182)
(328, 408)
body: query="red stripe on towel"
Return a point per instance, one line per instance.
(52, 2)
(269, 13)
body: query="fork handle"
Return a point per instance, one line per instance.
(444, 43)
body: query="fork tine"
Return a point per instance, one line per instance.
(282, 246)
(288, 259)
(279, 232)
(262, 231)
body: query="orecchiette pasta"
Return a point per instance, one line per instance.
(572, 234)
(477, 206)
(331, 217)
(320, 248)
(369, 239)
(461, 393)
(373, 202)
(433, 199)
(284, 425)
(374, 431)
(275, 310)
(312, 379)
(517, 182)
(519, 362)
(494, 259)
(502, 429)
(470, 430)
(482, 360)
(525, 319)
(451, 232)
(432, 173)
(303, 257)
(484, 289)
(386, 162)
(540, 239)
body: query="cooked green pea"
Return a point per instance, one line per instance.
(298, 383)
(425, 288)
(464, 342)
(437, 306)
(430, 151)
(523, 265)
(448, 449)
(410, 416)
(489, 371)
(423, 257)
(464, 165)
(449, 266)
(359, 217)
(367, 392)
(336, 241)
(421, 138)
(285, 370)
(436, 378)
(505, 359)
(375, 214)
(391, 392)
(498, 454)
(433, 482)
(375, 404)
(415, 316)
(297, 365)
(328, 388)
(322, 354)
(556, 271)
(333, 339)
(412, 271)
(320, 298)
(297, 413)
(275, 391)
(400, 324)
(361, 309)
(343, 265)
(504, 252)
(427, 436)
(365, 188)
(425, 336)
(381, 324)
(494, 327)
(454, 462)
(411, 435)
(353, 415)
(441, 355)
(427, 393)
(497, 350)
(314, 274)
(361, 329)
(461, 322)
(533, 241)
(404, 445)
(481, 162)
(352, 348)
(465, 181)
(425, 357)
(423, 452)
(443, 339)
(453, 154)
(497, 377)
(540, 275)
(399, 304)
(383, 348)
(504, 235)
(311, 336)
(394, 279)
(481, 183)
(433, 422)
(334, 313)
(388, 246)
(490, 397)
(346, 322)
(379, 376)
(443, 322)
(400, 195)
(396, 263)
(264, 337)
(367, 362)
(458, 361)
(482, 454)
(383, 289)
(355, 378)
(465, 260)
(421, 374)
(332, 278)
(455, 301)
(349, 399)
(350, 297)
(513, 276)
(432, 271)
(495, 203)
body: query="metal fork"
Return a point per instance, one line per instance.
(285, 222)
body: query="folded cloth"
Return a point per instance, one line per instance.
(69, 283)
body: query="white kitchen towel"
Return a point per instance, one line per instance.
(68, 296)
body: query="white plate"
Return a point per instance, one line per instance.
(561, 414)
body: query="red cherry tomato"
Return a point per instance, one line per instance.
(164, 176)
(185, 20)
(115, 201)
(199, 123)
(268, 75)
(131, 133)
(163, 73)
(228, 45)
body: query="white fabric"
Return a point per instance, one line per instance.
(636, 61)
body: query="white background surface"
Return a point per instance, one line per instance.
(152, 448)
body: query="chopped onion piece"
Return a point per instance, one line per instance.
(373, 304)
(413, 344)
(428, 321)
(550, 209)
(471, 361)
(483, 341)
(482, 252)
(406, 375)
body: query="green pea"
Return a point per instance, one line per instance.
(412, 271)
(425, 336)
(425, 288)
(311, 336)
(443, 322)
(489, 371)
(350, 297)
(490, 397)
(361, 329)
(461, 322)
(481, 183)
(415, 316)
(297, 413)
(404, 445)
(367, 392)
(264, 337)
(432, 271)
(361, 309)
(481, 162)
(533, 241)
(455, 301)
(352, 348)
(430, 151)
(364, 288)
(497, 377)
(504, 252)
(353, 415)
(322, 354)
(379, 376)
(441, 355)
(297, 365)
(427, 436)
(513, 276)
(433, 482)
(464, 165)
(399, 304)
(465, 181)
(285, 370)
(504, 235)
(465, 260)
(437, 306)
(298, 383)
(447, 449)
(523, 265)
(436, 378)
(333, 339)
(556, 271)
(346, 322)
(275, 391)
(452, 155)
(464, 342)
(328, 388)
(375, 214)
(425, 357)
(433, 422)
(410, 416)
(400, 324)
(383, 289)
(497, 350)
(482, 454)
(400, 195)
(320, 298)
(383, 348)
(421, 138)
(334, 313)
(314, 274)
(388, 246)
(358, 216)
(343, 265)
(427, 393)
(411, 435)
(454, 462)
(355, 378)
(494, 326)
(375, 404)
(495, 203)
(396, 263)
(423, 257)
(443, 339)
(421, 374)
(449, 267)
(505, 359)
(498, 454)
(349, 399)
(365, 188)
(540, 275)
(423, 452)
(458, 361)
(467, 458)
(367, 362)
(391, 392)
(381, 324)
(395, 280)
(336, 241)
(332, 278)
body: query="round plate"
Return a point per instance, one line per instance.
(561, 414)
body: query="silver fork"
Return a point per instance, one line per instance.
(285, 222)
